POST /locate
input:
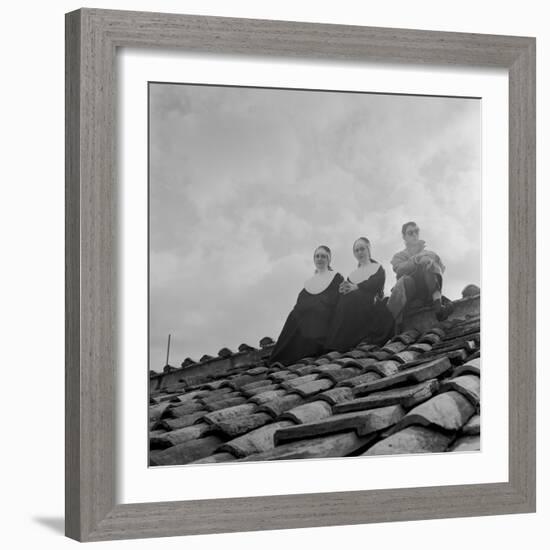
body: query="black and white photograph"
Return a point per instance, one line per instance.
(253, 251)
(314, 274)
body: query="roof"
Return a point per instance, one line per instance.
(418, 393)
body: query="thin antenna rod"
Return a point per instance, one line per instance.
(168, 350)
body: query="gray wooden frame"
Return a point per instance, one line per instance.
(92, 38)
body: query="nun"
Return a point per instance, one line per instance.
(361, 315)
(305, 330)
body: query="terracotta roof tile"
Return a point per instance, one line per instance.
(219, 392)
(468, 345)
(414, 439)
(251, 390)
(245, 347)
(473, 426)
(224, 403)
(407, 337)
(183, 421)
(306, 361)
(214, 385)
(234, 427)
(181, 410)
(340, 404)
(309, 412)
(281, 376)
(256, 441)
(407, 397)
(300, 380)
(410, 376)
(160, 398)
(366, 347)
(186, 452)
(257, 370)
(341, 444)
(307, 369)
(336, 395)
(447, 411)
(176, 387)
(362, 379)
(358, 362)
(394, 347)
(188, 396)
(279, 405)
(467, 443)
(266, 341)
(366, 362)
(329, 367)
(223, 415)
(470, 290)
(175, 437)
(405, 356)
(238, 369)
(338, 375)
(363, 422)
(422, 360)
(266, 396)
(430, 338)
(473, 366)
(216, 395)
(225, 352)
(457, 357)
(468, 385)
(156, 411)
(313, 387)
(383, 368)
(293, 368)
(352, 354)
(244, 379)
(421, 347)
(380, 355)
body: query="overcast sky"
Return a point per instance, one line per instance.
(245, 183)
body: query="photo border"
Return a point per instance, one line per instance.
(92, 38)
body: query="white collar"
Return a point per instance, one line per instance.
(319, 282)
(363, 272)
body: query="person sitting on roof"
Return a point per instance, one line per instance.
(361, 315)
(419, 275)
(305, 330)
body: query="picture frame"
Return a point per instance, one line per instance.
(92, 39)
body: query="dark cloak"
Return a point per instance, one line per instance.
(361, 316)
(305, 330)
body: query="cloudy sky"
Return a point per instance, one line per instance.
(245, 183)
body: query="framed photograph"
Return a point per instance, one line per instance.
(291, 248)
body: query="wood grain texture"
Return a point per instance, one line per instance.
(92, 37)
(72, 275)
(522, 274)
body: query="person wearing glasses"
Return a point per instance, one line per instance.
(419, 273)
(305, 330)
(361, 315)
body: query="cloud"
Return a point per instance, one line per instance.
(245, 183)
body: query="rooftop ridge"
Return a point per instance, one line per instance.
(417, 393)
(421, 319)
